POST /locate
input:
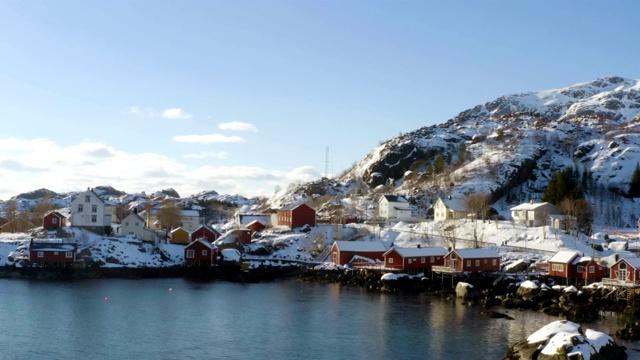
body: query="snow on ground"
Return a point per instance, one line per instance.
(567, 335)
(516, 243)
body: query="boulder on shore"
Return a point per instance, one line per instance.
(466, 291)
(566, 340)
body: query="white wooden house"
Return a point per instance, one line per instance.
(90, 212)
(394, 208)
(134, 224)
(448, 209)
(533, 214)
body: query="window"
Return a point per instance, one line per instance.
(592, 269)
(390, 260)
(477, 262)
(422, 260)
(433, 259)
(40, 254)
(494, 262)
(54, 220)
(410, 260)
(94, 208)
(55, 253)
(485, 261)
(468, 263)
(126, 223)
(136, 223)
(68, 255)
(557, 267)
(80, 207)
(579, 269)
(204, 252)
(191, 254)
(87, 198)
(94, 218)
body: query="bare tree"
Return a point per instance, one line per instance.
(447, 231)
(11, 213)
(580, 215)
(169, 214)
(476, 204)
(42, 208)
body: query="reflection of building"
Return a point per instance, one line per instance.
(533, 214)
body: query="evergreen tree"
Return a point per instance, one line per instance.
(563, 185)
(448, 158)
(438, 167)
(634, 187)
(463, 152)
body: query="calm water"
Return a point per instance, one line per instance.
(175, 318)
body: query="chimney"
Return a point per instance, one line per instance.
(531, 201)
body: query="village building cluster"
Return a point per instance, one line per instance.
(90, 213)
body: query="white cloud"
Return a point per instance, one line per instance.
(134, 110)
(208, 154)
(237, 126)
(207, 139)
(175, 114)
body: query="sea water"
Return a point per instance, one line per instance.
(179, 319)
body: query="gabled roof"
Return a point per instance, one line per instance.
(564, 256)
(395, 198)
(530, 206)
(203, 242)
(56, 214)
(136, 216)
(208, 228)
(90, 192)
(417, 252)
(633, 261)
(179, 229)
(294, 206)
(367, 246)
(452, 204)
(476, 253)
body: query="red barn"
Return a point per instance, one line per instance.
(255, 226)
(297, 215)
(625, 271)
(206, 232)
(414, 259)
(200, 253)
(53, 220)
(463, 260)
(52, 253)
(343, 251)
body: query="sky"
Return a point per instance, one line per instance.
(247, 97)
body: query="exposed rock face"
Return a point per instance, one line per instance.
(566, 340)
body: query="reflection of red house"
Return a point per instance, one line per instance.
(52, 253)
(200, 253)
(297, 215)
(255, 226)
(413, 259)
(462, 260)
(343, 251)
(53, 220)
(205, 232)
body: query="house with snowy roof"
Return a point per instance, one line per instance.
(448, 209)
(180, 236)
(569, 264)
(394, 208)
(200, 253)
(54, 220)
(296, 215)
(414, 260)
(52, 253)
(90, 212)
(205, 232)
(470, 260)
(189, 219)
(342, 252)
(134, 224)
(624, 272)
(533, 214)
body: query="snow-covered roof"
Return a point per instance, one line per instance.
(452, 204)
(476, 253)
(417, 252)
(205, 243)
(633, 261)
(530, 206)
(192, 213)
(395, 198)
(52, 246)
(293, 206)
(361, 246)
(564, 256)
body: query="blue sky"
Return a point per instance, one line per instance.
(245, 96)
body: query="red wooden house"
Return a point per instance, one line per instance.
(625, 271)
(255, 226)
(414, 259)
(205, 232)
(343, 251)
(53, 220)
(560, 264)
(200, 252)
(296, 215)
(471, 260)
(52, 253)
